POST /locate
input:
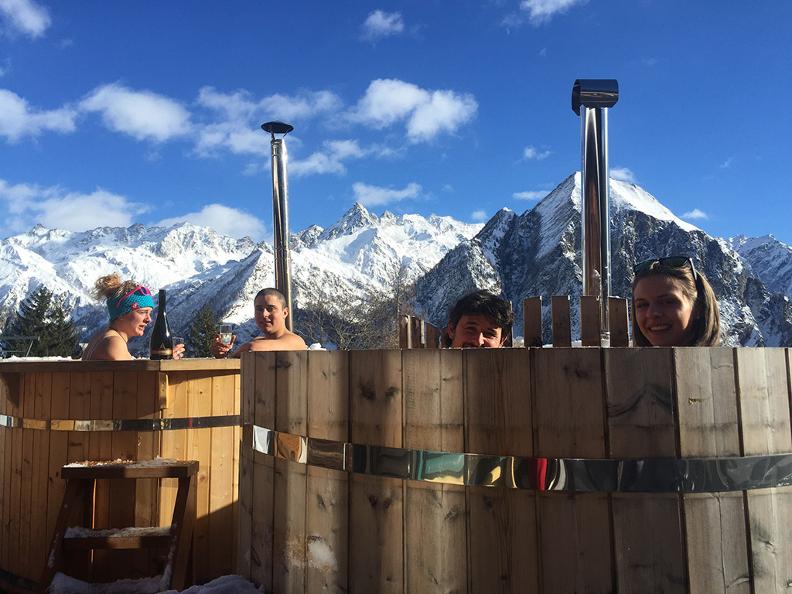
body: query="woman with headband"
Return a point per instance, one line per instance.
(129, 306)
(673, 304)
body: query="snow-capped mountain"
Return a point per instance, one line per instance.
(537, 254)
(520, 255)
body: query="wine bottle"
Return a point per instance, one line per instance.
(161, 345)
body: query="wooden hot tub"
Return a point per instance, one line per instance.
(139, 401)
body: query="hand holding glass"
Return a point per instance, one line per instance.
(225, 334)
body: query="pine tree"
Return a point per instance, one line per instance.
(202, 332)
(44, 318)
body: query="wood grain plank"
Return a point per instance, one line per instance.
(763, 385)
(58, 448)
(199, 446)
(173, 444)
(221, 478)
(562, 328)
(263, 505)
(532, 321)
(77, 451)
(100, 448)
(39, 538)
(327, 500)
(640, 385)
(435, 534)
(569, 421)
(717, 547)
(291, 416)
(5, 479)
(245, 518)
(376, 504)
(589, 321)
(148, 446)
(502, 532)
(26, 470)
(16, 480)
(618, 322)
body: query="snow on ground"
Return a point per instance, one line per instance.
(228, 584)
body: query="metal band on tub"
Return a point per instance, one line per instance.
(567, 475)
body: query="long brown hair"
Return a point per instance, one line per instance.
(694, 285)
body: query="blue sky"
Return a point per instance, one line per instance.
(114, 113)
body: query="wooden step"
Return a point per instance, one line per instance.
(81, 539)
(160, 468)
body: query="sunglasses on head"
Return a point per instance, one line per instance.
(668, 262)
(140, 290)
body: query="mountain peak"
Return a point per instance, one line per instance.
(357, 217)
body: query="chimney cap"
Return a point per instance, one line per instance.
(594, 92)
(277, 128)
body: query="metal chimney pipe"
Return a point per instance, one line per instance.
(595, 96)
(280, 213)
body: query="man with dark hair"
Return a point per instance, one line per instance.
(270, 313)
(480, 320)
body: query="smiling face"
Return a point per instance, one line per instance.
(663, 311)
(476, 331)
(270, 315)
(134, 323)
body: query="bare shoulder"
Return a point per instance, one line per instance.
(107, 346)
(287, 342)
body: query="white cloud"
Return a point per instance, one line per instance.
(531, 153)
(377, 196)
(541, 11)
(328, 160)
(381, 24)
(26, 16)
(727, 163)
(696, 214)
(223, 219)
(18, 120)
(448, 188)
(427, 113)
(58, 209)
(301, 106)
(623, 174)
(141, 114)
(479, 216)
(530, 195)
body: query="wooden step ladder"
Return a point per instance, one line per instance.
(80, 480)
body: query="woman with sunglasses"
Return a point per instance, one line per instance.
(673, 304)
(129, 306)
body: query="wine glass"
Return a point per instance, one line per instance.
(225, 334)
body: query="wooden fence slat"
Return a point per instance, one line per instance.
(434, 515)
(590, 321)
(5, 395)
(641, 423)
(706, 403)
(764, 411)
(100, 447)
(404, 332)
(562, 329)
(416, 333)
(58, 448)
(618, 322)
(327, 500)
(173, 444)
(289, 538)
(432, 337)
(568, 416)
(199, 447)
(26, 493)
(532, 322)
(148, 446)
(376, 504)
(16, 484)
(235, 491)
(221, 478)
(77, 451)
(263, 507)
(502, 538)
(244, 524)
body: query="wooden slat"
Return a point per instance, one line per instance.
(589, 321)
(327, 501)
(244, 522)
(291, 415)
(4, 396)
(237, 437)
(221, 478)
(199, 446)
(148, 446)
(9, 391)
(568, 417)
(618, 322)
(640, 385)
(432, 337)
(100, 448)
(26, 469)
(562, 329)
(502, 539)
(173, 444)
(77, 451)
(764, 399)
(88, 543)
(39, 538)
(434, 515)
(263, 468)
(708, 426)
(59, 409)
(131, 470)
(532, 321)
(376, 504)
(404, 332)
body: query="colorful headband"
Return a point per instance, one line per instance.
(138, 297)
